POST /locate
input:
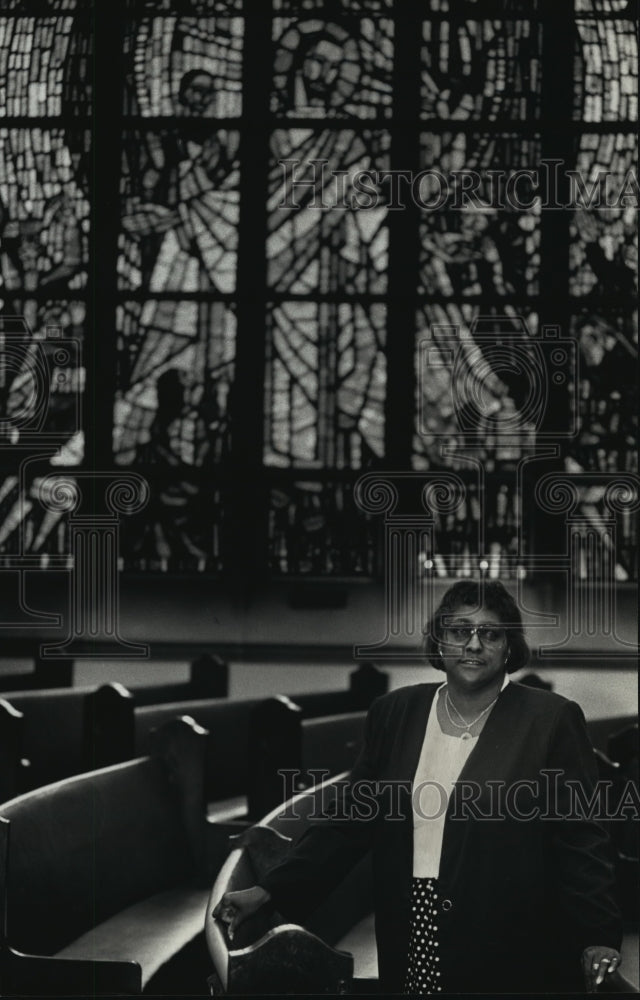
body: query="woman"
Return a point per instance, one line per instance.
(493, 885)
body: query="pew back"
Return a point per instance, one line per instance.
(227, 764)
(83, 849)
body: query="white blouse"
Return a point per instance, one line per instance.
(441, 760)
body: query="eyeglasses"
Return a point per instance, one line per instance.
(488, 635)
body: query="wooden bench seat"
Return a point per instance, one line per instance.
(145, 933)
(103, 876)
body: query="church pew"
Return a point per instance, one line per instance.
(270, 956)
(104, 876)
(117, 729)
(47, 736)
(282, 739)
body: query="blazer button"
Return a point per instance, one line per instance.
(446, 905)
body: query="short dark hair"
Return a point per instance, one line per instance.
(490, 594)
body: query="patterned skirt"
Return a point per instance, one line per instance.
(423, 973)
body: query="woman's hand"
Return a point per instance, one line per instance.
(597, 963)
(235, 907)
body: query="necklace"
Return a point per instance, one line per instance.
(467, 725)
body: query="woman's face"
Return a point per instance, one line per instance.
(474, 647)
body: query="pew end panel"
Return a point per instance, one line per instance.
(108, 729)
(268, 956)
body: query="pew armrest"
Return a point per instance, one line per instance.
(36, 974)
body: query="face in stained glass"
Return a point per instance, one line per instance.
(322, 69)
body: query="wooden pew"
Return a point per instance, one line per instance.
(117, 728)
(103, 876)
(283, 740)
(270, 956)
(46, 735)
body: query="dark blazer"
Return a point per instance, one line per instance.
(521, 893)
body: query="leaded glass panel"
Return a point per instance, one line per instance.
(188, 67)
(45, 211)
(474, 386)
(206, 7)
(324, 69)
(336, 6)
(606, 70)
(604, 229)
(481, 69)
(42, 378)
(175, 369)
(483, 6)
(180, 210)
(44, 67)
(328, 216)
(325, 385)
(607, 406)
(476, 241)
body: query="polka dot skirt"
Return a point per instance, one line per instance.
(423, 972)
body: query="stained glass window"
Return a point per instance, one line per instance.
(327, 70)
(304, 124)
(481, 69)
(325, 385)
(187, 67)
